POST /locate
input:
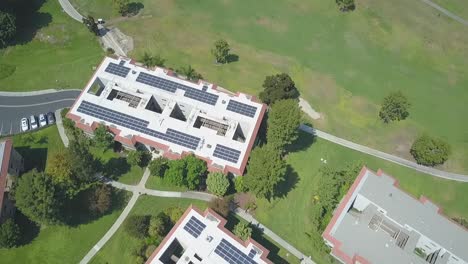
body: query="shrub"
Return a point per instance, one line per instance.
(242, 230)
(239, 184)
(103, 139)
(138, 158)
(430, 151)
(221, 205)
(158, 166)
(346, 5)
(159, 225)
(394, 107)
(174, 213)
(9, 234)
(149, 251)
(217, 183)
(110, 51)
(137, 226)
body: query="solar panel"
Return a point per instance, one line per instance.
(226, 153)
(194, 227)
(252, 253)
(172, 87)
(117, 69)
(241, 108)
(232, 254)
(137, 124)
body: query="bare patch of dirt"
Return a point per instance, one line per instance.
(243, 200)
(53, 35)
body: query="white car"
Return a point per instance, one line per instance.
(33, 122)
(24, 124)
(42, 120)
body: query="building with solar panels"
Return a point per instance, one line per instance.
(200, 237)
(377, 222)
(165, 113)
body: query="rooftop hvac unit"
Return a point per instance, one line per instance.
(209, 238)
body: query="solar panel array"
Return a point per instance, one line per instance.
(231, 254)
(117, 69)
(194, 227)
(241, 108)
(137, 124)
(252, 253)
(172, 87)
(226, 153)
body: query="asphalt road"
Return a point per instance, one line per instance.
(13, 108)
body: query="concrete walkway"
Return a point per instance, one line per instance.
(445, 12)
(385, 156)
(305, 106)
(71, 11)
(33, 93)
(61, 129)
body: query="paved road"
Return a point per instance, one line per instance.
(13, 108)
(385, 156)
(446, 12)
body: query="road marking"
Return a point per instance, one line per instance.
(11, 127)
(45, 103)
(1, 129)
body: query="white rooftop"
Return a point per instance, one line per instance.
(149, 102)
(201, 238)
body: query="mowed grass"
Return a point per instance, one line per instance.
(116, 167)
(159, 183)
(458, 7)
(54, 52)
(120, 247)
(53, 244)
(305, 163)
(343, 63)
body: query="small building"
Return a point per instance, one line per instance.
(377, 222)
(200, 237)
(11, 164)
(158, 109)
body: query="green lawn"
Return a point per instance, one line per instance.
(304, 164)
(343, 64)
(116, 167)
(61, 53)
(458, 7)
(158, 183)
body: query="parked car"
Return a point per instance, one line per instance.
(42, 120)
(33, 122)
(24, 124)
(50, 118)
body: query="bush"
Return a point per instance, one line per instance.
(159, 225)
(217, 183)
(110, 51)
(9, 234)
(176, 172)
(149, 251)
(277, 87)
(430, 151)
(242, 230)
(158, 166)
(103, 139)
(152, 60)
(137, 226)
(174, 213)
(221, 205)
(239, 184)
(394, 107)
(346, 5)
(138, 158)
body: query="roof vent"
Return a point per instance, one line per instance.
(209, 238)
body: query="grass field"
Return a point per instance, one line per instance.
(117, 168)
(458, 7)
(54, 52)
(158, 183)
(343, 64)
(305, 162)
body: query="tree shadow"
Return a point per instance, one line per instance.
(29, 230)
(134, 8)
(34, 158)
(42, 140)
(303, 142)
(232, 58)
(289, 184)
(28, 19)
(115, 168)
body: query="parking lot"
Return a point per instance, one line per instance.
(13, 108)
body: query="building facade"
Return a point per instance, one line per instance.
(11, 165)
(200, 237)
(377, 222)
(158, 109)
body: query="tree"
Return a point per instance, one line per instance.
(239, 184)
(158, 166)
(242, 230)
(430, 151)
(217, 183)
(122, 6)
(91, 24)
(152, 60)
(346, 5)
(7, 27)
(159, 225)
(176, 172)
(83, 163)
(9, 234)
(221, 205)
(394, 107)
(196, 169)
(103, 139)
(135, 157)
(221, 51)
(137, 226)
(60, 168)
(37, 198)
(189, 73)
(284, 119)
(174, 213)
(101, 199)
(276, 87)
(265, 170)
